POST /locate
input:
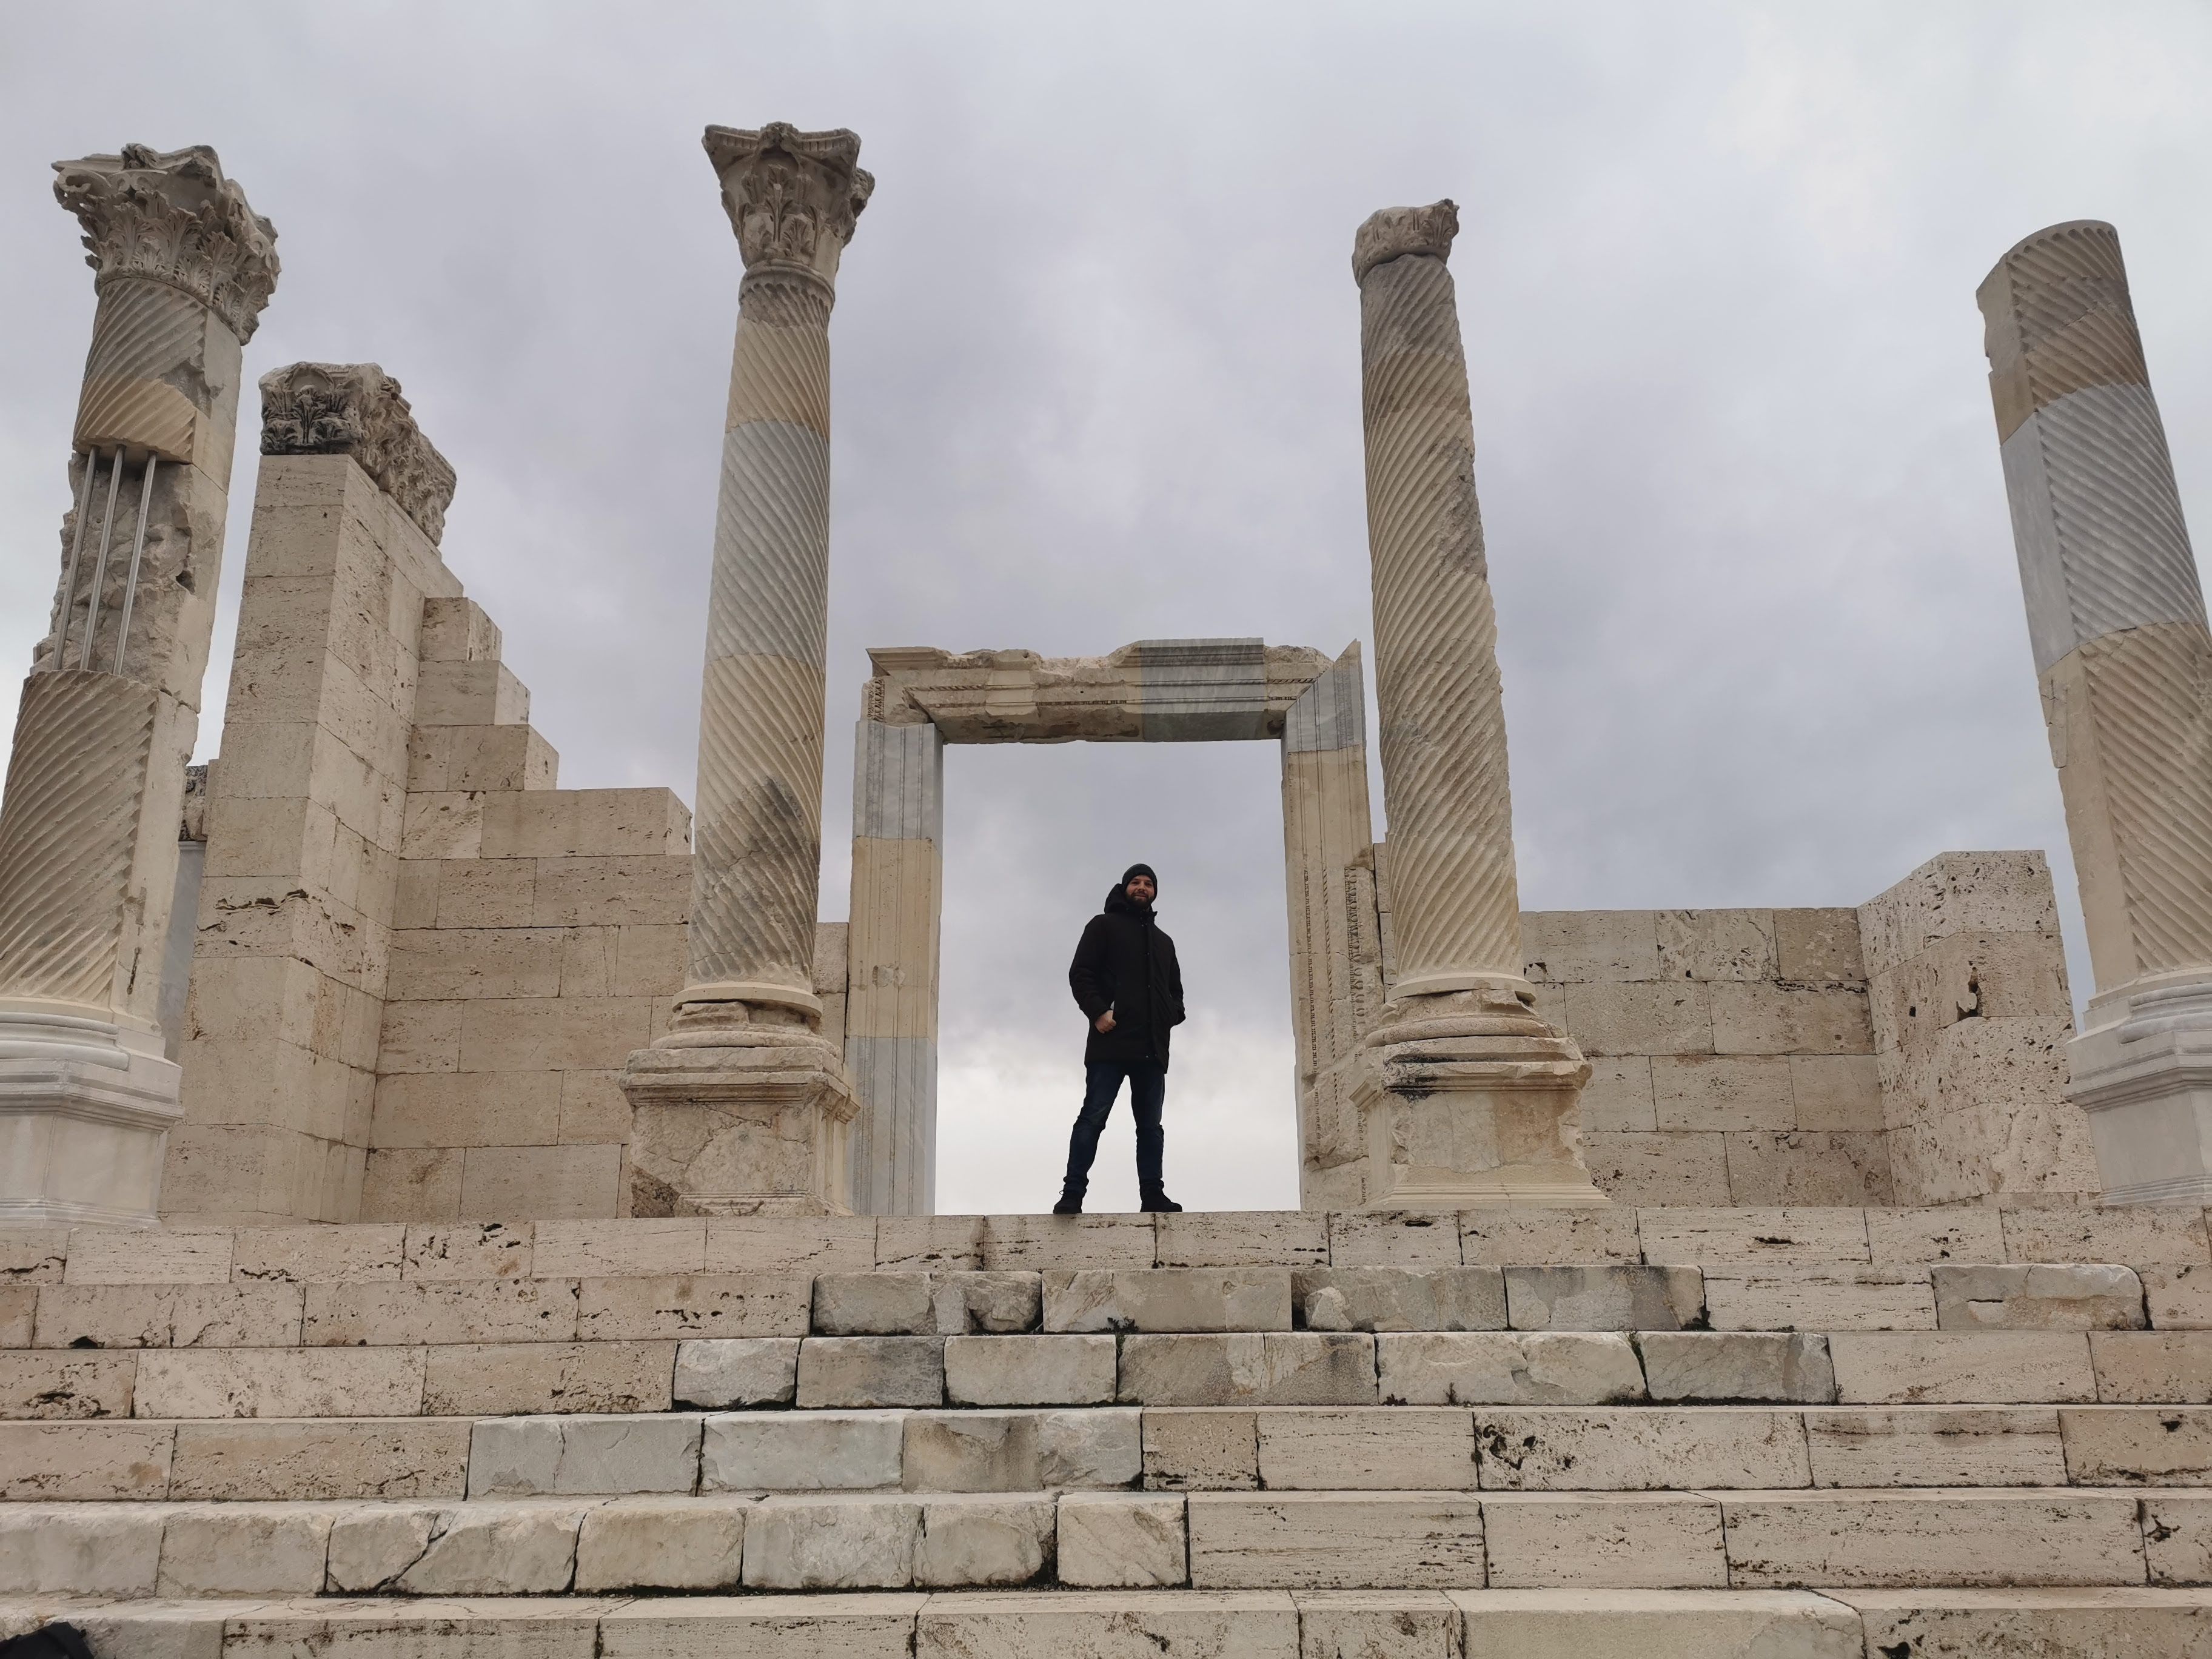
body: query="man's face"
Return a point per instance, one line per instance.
(1142, 890)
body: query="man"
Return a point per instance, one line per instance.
(1129, 985)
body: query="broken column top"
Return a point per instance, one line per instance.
(1391, 231)
(2057, 318)
(357, 410)
(792, 196)
(171, 217)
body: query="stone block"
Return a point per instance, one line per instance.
(1719, 1366)
(567, 823)
(1668, 1169)
(848, 1627)
(693, 1305)
(1618, 1096)
(413, 1184)
(1507, 1368)
(971, 1541)
(2137, 1445)
(986, 1303)
(1204, 1625)
(2142, 1623)
(19, 1315)
(1605, 1540)
(1387, 1238)
(1029, 1371)
(457, 630)
(1910, 1236)
(1772, 1018)
(1658, 1624)
(154, 1255)
(1200, 1450)
(168, 1316)
(479, 692)
(469, 1249)
(1647, 1449)
(873, 1304)
(570, 1457)
(1566, 946)
(85, 1460)
(1536, 1237)
(1718, 1092)
(864, 1371)
(611, 892)
(520, 1377)
(2178, 1298)
(1605, 1296)
(1936, 1446)
(311, 1461)
(47, 1549)
(1122, 1541)
(32, 1255)
(1261, 1368)
(1661, 1017)
(2152, 1367)
(2177, 1537)
(1334, 1540)
(1029, 1243)
(971, 1451)
(1377, 1625)
(440, 1311)
(1090, 1449)
(1805, 1238)
(1809, 1166)
(1253, 1238)
(662, 1543)
(2144, 1235)
(1169, 1300)
(745, 1370)
(231, 1549)
(1366, 1449)
(659, 1247)
(317, 1256)
(1709, 945)
(928, 1243)
(280, 1383)
(828, 1451)
(2091, 1296)
(66, 1384)
(1400, 1298)
(496, 1549)
(1970, 1367)
(1914, 1538)
(1819, 1299)
(1837, 1091)
(832, 1543)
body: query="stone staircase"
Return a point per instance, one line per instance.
(1786, 1434)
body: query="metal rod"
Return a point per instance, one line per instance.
(77, 551)
(100, 570)
(137, 551)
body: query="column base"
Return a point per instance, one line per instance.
(85, 1107)
(741, 1120)
(1473, 1110)
(2144, 1076)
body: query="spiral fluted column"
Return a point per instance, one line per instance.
(95, 793)
(2116, 620)
(744, 1106)
(1472, 1097)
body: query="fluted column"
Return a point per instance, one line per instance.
(2116, 619)
(744, 1106)
(109, 713)
(1474, 1098)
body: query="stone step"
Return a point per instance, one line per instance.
(228, 1375)
(1492, 1449)
(1867, 1539)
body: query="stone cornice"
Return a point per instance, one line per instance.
(792, 196)
(1395, 231)
(171, 217)
(356, 410)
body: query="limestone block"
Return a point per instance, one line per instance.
(1972, 1368)
(929, 1243)
(846, 1451)
(1515, 1238)
(1956, 1537)
(1090, 1449)
(412, 1184)
(85, 1460)
(66, 1384)
(518, 1377)
(877, 1304)
(1717, 1091)
(1169, 1300)
(1936, 1446)
(608, 1249)
(1387, 1238)
(33, 1256)
(1735, 944)
(1605, 1540)
(1810, 1166)
(154, 1255)
(280, 1383)
(1663, 1017)
(1607, 1297)
(863, 1371)
(19, 1315)
(1334, 1540)
(1023, 1243)
(969, 1541)
(832, 1543)
(2178, 1298)
(444, 823)
(1726, 1365)
(2150, 1367)
(479, 692)
(1644, 1449)
(2141, 1234)
(1618, 1096)
(745, 1370)
(986, 1303)
(1507, 1368)
(426, 1458)
(1121, 1540)
(1658, 1624)
(2031, 1298)
(1819, 1299)
(1837, 1091)
(1029, 1371)
(1672, 1169)
(562, 824)
(78, 1550)
(852, 1626)
(662, 1543)
(448, 963)
(2177, 1537)
(2134, 1446)
(971, 1451)
(1942, 1233)
(567, 1456)
(369, 1548)
(1200, 1450)
(317, 1256)
(496, 1549)
(1269, 1368)
(1563, 946)
(469, 1249)
(229, 1549)
(611, 892)
(522, 1033)
(798, 1245)
(2144, 1624)
(440, 1311)
(693, 1305)
(1814, 1237)
(1400, 1298)
(1377, 1625)
(1215, 1624)
(457, 630)
(1772, 1018)
(1366, 1449)
(1254, 1238)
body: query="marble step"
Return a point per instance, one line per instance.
(1866, 1538)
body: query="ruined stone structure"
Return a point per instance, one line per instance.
(547, 1252)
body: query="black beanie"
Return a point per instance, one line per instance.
(1136, 870)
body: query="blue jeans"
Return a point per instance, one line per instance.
(1148, 1088)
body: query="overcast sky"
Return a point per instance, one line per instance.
(1096, 380)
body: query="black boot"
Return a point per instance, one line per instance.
(1070, 1201)
(1160, 1204)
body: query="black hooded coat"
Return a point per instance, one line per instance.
(1124, 963)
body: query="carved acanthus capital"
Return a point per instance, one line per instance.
(791, 196)
(1400, 230)
(356, 410)
(171, 217)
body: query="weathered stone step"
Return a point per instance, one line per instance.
(1492, 1449)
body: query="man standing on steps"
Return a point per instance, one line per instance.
(1129, 985)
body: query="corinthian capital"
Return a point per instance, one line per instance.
(171, 217)
(1394, 231)
(356, 410)
(791, 196)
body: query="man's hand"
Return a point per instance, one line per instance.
(1105, 1021)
